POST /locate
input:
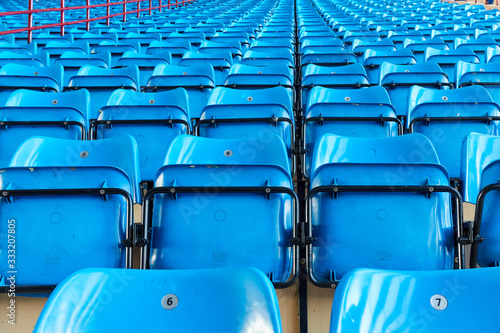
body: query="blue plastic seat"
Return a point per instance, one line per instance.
(254, 201)
(359, 47)
(479, 46)
(29, 113)
(234, 114)
(95, 39)
(351, 36)
(255, 58)
(14, 76)
(101, 82)
(354, 113)
(176, 49)
(373, 59)
(332, 58)
(56, 48)
(52, 191)
(194, 38)
(404, 301)
(198, 81)
(150, 118)
(418, 47)
(398, 37)
(20, 49)
(447, 59)
(486, 75)
(397, 80)
(344, 77)
(35, 60)
(116, 49)
(73, 61)
(449, 36)
(144, 39)
(221, 61)
(446, 117)
(395, 197)
(245, 302)
(232, 46)
(145, 62)
(479, 171)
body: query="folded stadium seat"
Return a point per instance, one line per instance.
(221, 62)
(194, 38)
(77, 33)
(388, 189)
(28, 113)
(14, 76)
(54, 187)
(397, 80)
(8, 39)
(36, 60)
(419, 47)
(255, 200)
(265, 46)
(479, 171)
(332, 57)
(95, 39)
(209, 32)
(353, 113)
(255, 58)
(398, 37)
(55, 49)
(144, 39)
(234, 114)
(450, 36)
(446, 117)
(321, 45)
(479, 46)
(275, 37)
(234, 47)
(246, 302)
(150, 118)
(198, 81)
(180, 28)
(359, 47)
(486, 75)
(242, 37)
(116, 49)
(122, 33)
(353, 27)
(101, 82)
(373, 59)
(176, 48)
(27, 49)
(145, 62)
(43, 39)
(318, 36)
(164, 31)
(345, 77)
(427, 30)
(397, 301)
(73, 61)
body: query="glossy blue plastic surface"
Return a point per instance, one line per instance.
(480, 167)
(359, 47)
(447, 59)
(116, 49)
(400, 301)
(353, 229)
(177, 48)
(255, 58)
(131, 105)
(487, 75)
(69, 224)
(428, 75)
(221, 227)
(101, 82)
(73, 61)
(373, 59)
(418, 47)
(190, 78)
(27, 105)
(56, 48)
(37, 60)
(447, 136)
(366, 102)
(213, 301)
(478, 45)
(221, 61)
(19, 49)
(145, 62)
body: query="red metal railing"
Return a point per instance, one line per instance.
(88, 9)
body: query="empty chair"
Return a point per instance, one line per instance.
(221, 61)
(73, 61)
(29, 113)
(234, 114)
(116, 49)
(397, 301)
(145, 62)
(56, 48)
(245, 302)
(397, 80)
(449, 36)
(486, 75)
(150, 118)
(447, 116)
(373, 59)
(255, 58)
(479, 172)
(101, 82)
(345, 77)
(176, 48)
(359, 47)
(197, 80)
(67, 182)
(14, 76)
(479, 46)
(354, 113)
(333, 58)
(232, 46)
(447, 59)
(35, 60)
(20, 49)
(144, 39)
(254, 200)
(419, 47)
(388, 189)
(398, 37)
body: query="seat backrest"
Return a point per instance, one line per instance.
(382, 301)
(170, 299)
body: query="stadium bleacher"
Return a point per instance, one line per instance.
(229, 166)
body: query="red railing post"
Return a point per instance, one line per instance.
(30, 21)
(108, 12)
(168, 4)
(159, 4)
(62, 17)
(87, 25)
(138, 8)
(124, 10)
(150, 6)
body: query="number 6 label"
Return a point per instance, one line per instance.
(169, 301)
(439, 302)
